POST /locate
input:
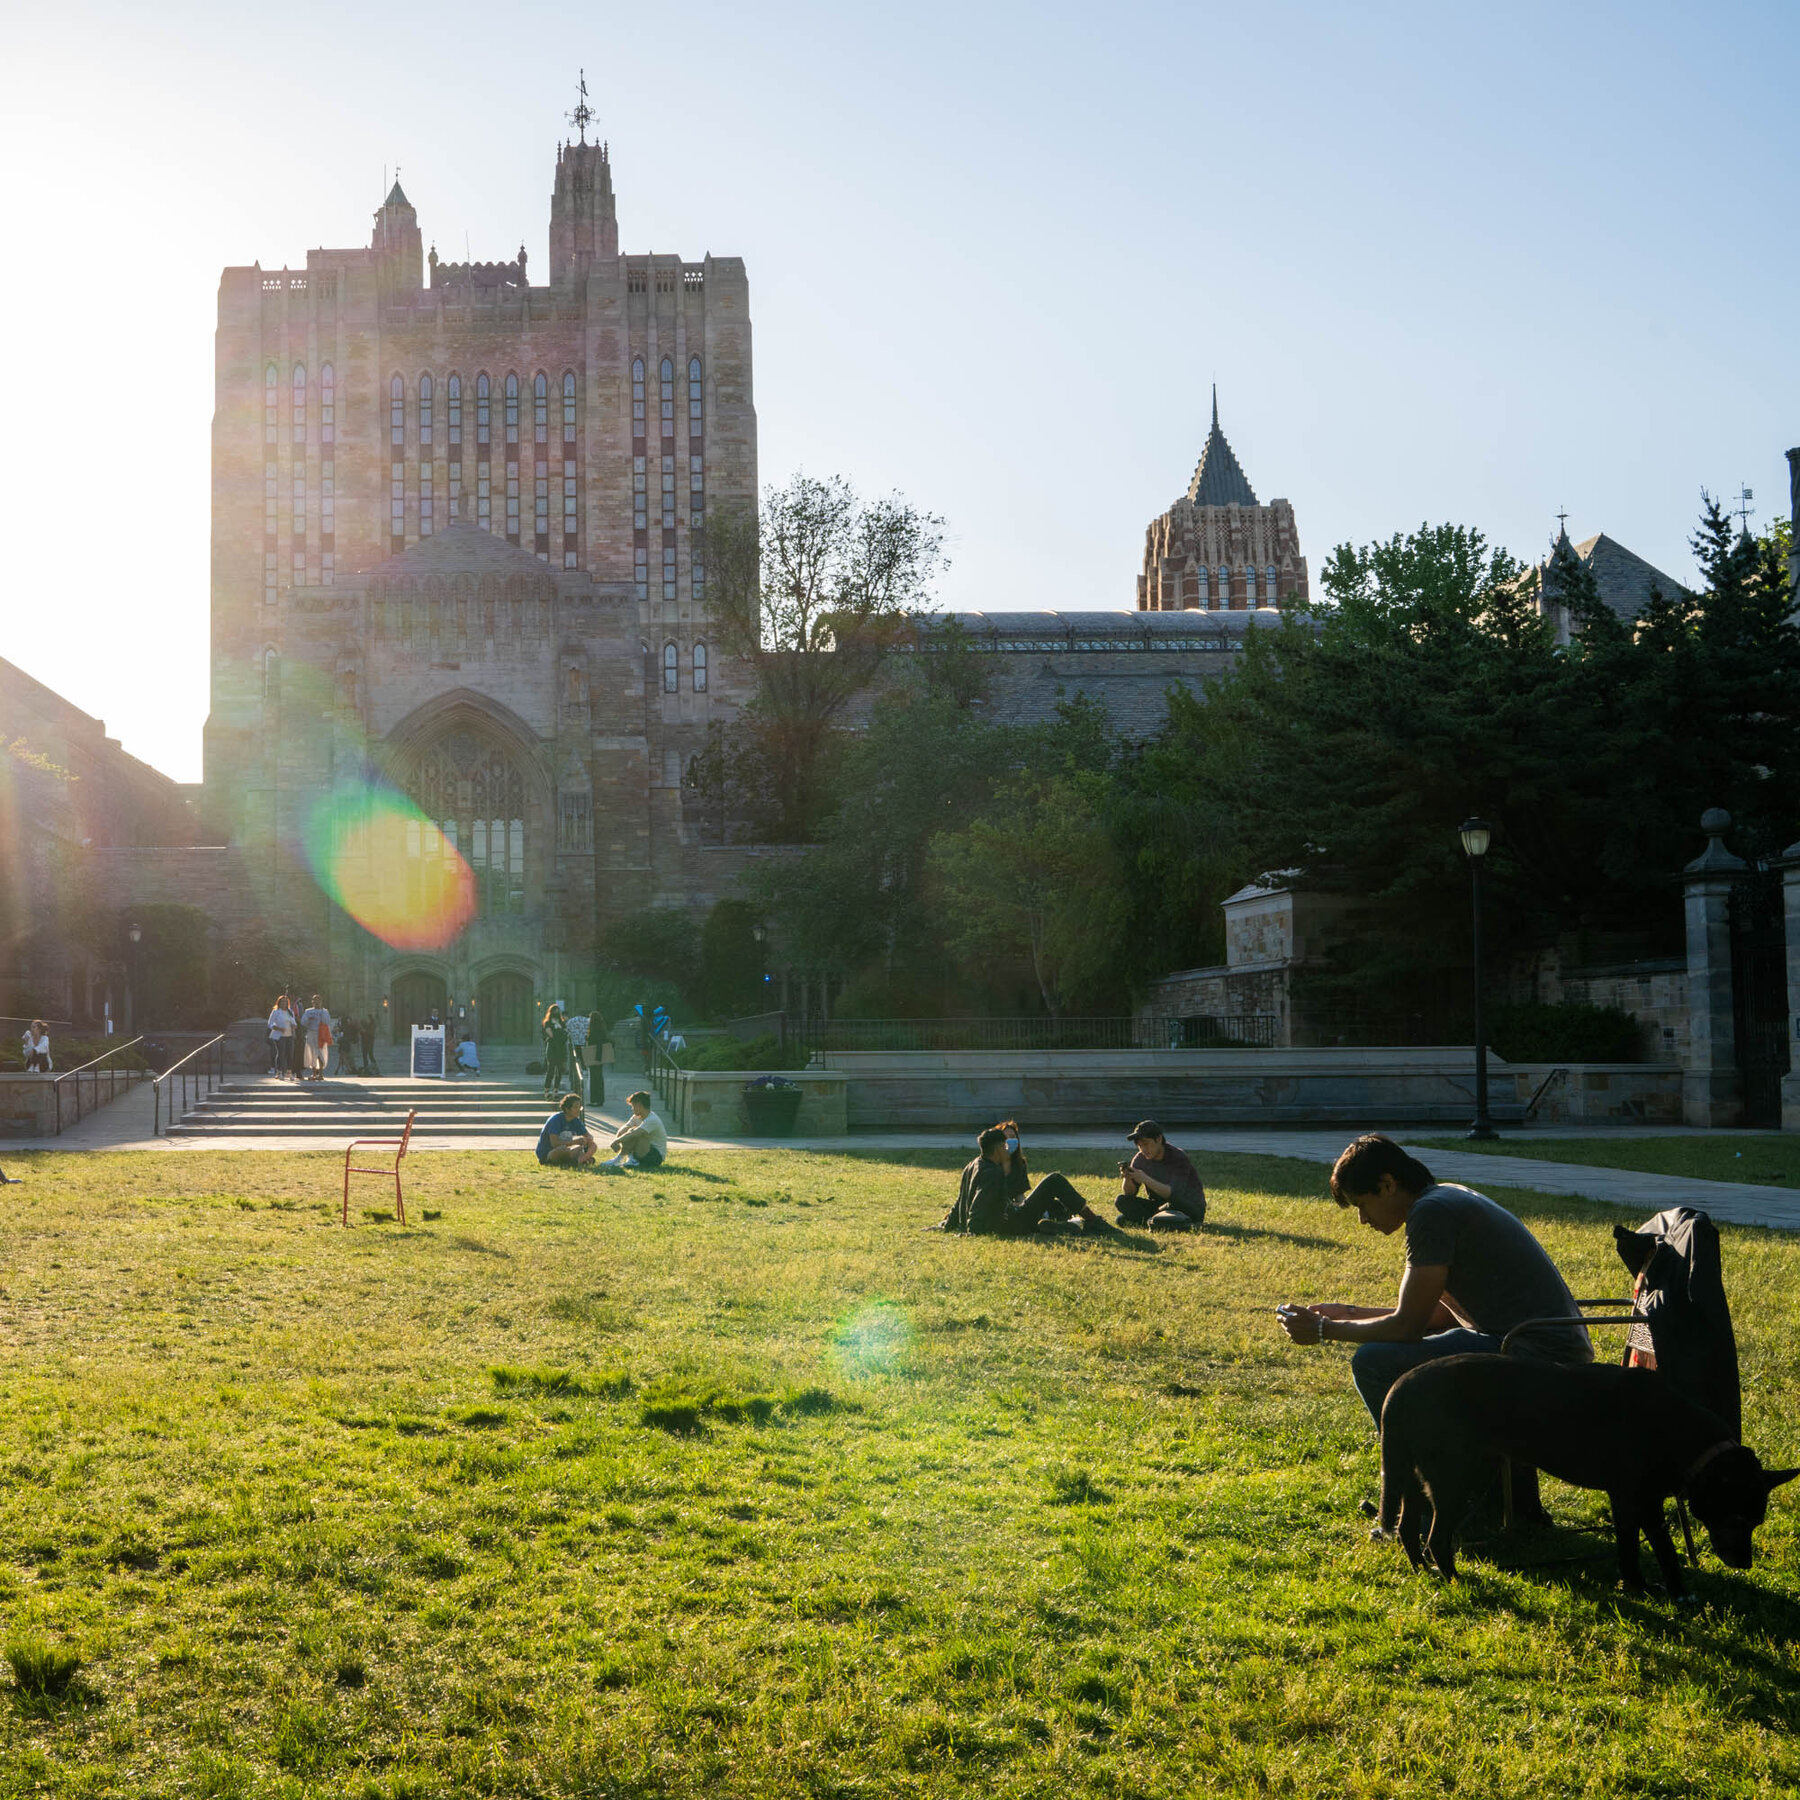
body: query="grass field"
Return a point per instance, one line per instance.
(1771, 1161)
(731, 1482)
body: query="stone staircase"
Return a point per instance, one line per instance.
(502, 1102)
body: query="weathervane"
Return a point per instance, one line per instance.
(1562, 522)
(1743, 511)
(583, 115)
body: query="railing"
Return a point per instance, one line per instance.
(662, 1070)
(211, 1072)
(1194, 1032)
(83, 1084)
(1543, 1088)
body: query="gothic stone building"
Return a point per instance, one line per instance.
(1216, 549)
(457, 550)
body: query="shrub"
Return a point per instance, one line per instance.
(727, 1052)
(1567, 1034)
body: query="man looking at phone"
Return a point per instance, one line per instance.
(1160, 1187)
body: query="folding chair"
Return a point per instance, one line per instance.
(1680, 1321)
(398, 1146)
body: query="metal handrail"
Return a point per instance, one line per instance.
(132, 1077)
(661, 1069)
(212, 1075)
(1543, 1088)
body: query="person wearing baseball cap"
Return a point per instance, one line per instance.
(1160, 1187)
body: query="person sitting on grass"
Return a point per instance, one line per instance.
(1053, 1203)
(1473, 1272)
(565, 1142)
(644, 1141)
(1172, 1197)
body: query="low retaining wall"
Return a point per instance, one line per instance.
(1596, 1093)
(710, 1102)
(964, 1089)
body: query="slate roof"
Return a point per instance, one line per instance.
(1218, 478)
(1623, 577)
(397, 198)
(459, 548)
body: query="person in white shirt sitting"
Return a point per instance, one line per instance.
(37, 1047)
(644, 1142)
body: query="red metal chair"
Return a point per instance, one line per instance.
(398, 1146)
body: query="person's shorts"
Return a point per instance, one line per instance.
(650, 1159)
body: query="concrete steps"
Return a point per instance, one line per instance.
(341, 1109)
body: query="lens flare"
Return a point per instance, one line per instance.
(396, 872)
(874, 1340)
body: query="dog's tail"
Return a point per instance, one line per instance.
(1399, 1476)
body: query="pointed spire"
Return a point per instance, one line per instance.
(1218, 480)
(395, 196)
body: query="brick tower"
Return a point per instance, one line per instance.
(458, 545)
(1216, 549)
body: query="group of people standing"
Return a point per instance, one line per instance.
(574, 1052)
(301, 1041)
(1159, 1188)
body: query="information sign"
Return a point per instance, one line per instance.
(428, 1050)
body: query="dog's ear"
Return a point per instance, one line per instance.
(1635, 1247)
(1774, 1478)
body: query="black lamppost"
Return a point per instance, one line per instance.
(135, 933)
(1476, 835)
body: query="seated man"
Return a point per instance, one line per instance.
(983, 1203)
(1173, 1198)
(644, 1141)
(565, 1140)
(1473, 1272)
(468, 1058)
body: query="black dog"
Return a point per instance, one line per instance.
(1623, 1430)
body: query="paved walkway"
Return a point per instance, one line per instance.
(125, 1125)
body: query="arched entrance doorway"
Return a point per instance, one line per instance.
(506, 1010)
(412, 997)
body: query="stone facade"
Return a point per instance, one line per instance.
(1216, 549)
(458, 550)
(69, 794)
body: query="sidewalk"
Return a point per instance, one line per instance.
(125, 1125)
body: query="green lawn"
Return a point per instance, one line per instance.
(1771, 1161)
(731, 1482)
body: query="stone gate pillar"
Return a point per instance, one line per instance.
(1710, 1092)
(1790, 894)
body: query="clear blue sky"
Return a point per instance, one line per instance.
(1444, 262)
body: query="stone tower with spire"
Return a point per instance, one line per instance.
(1217, 548)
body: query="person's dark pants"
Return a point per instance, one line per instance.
(1140, 1208)
(597, 1083)
(1055, 1195)
(1376, 1367)
(277, 1054)
(368, 1057)
(297, 1055)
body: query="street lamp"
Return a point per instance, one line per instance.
(135, 933)
(1476, 835)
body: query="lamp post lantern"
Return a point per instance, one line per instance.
(135, 933)
(1476, 835)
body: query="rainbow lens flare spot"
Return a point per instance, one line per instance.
(397, 873)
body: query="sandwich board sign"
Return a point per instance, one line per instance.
(428, 1050)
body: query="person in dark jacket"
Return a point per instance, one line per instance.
(1159, 1187)
(996, 1198)
(981, 1199)
(556, 1050)
(1052, 1203)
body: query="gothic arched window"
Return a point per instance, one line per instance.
(694, 406)
(571, 550)
(540, 410)
(1269, 585)
(473, 792)
(453, 431)
(668, 397)
(699, 668)
(299, 403)
(512, 409)
(1224, 586)
(327, 405)
(637, 396)
(425, 398)
(271, 392)
(481, 409)
(671, 669)
(396, 412)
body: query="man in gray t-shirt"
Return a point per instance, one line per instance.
(1473, 1272)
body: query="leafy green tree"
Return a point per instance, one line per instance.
(813, 592)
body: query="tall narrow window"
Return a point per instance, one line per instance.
(271, 399)
(668, 398)
(540, 411)
(638, 519)
(397, 413)
(571, 542)
(396, 466)
(427, 484)
(668, 571)
(640, 568)
(299, 419)
(327, 519)
(453, 425)
(297, 521)
(512, 498)
(484, 486)
(1224, 586)
(668, 493)
(540, 497)
(699, 668)
(1269, 585)
(671, 670)
(512, 409)
(271, 523)
(697, 491)
(425, 399)
(427, 499)
(1249, 585)
(568, 408)
(694, 401)
(327, 405)
(637, 396)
